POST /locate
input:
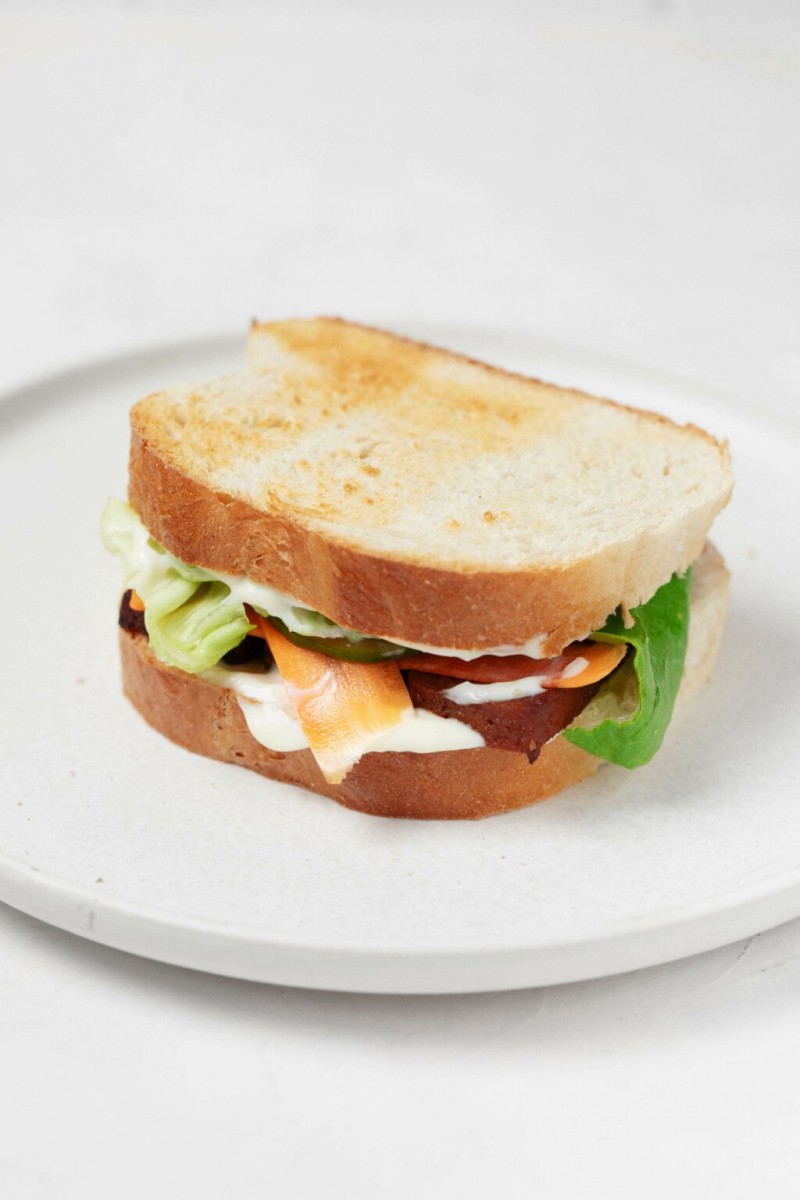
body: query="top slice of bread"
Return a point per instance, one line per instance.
(412, 493)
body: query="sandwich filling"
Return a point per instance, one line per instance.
(302, 680)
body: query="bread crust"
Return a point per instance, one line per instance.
(400, 601)
(448, 604)
(452, 785)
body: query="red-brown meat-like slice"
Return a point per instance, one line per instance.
(524, 725)
(130, 619)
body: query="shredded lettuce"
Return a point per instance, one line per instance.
(200, 631)
(191, 618)
(626, 721)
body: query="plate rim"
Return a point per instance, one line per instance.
(351, 966)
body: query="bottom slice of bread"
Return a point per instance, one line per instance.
(456, 784)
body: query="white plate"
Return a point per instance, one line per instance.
(111, 832)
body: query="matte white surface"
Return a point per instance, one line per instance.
(124, 838)
(624, 177)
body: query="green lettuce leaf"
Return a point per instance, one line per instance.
(191, 618)
(626, 721)
(195, 635)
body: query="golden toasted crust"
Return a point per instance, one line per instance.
(457, 784)
(414, 494)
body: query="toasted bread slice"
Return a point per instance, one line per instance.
(457, 784)
(414, 494)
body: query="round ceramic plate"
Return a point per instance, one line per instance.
(111, 832)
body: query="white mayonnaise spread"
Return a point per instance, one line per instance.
(512, 689)
(263, 700)
(532, 648)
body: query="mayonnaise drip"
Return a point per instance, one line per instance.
(511, 689)
(265, 704)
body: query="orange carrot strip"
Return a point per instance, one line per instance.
(341, 705)
(255, 619)
(601, 658)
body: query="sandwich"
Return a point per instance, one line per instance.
(417, 584)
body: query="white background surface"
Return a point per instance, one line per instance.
(625, 178)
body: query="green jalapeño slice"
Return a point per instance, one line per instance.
(362, 649)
